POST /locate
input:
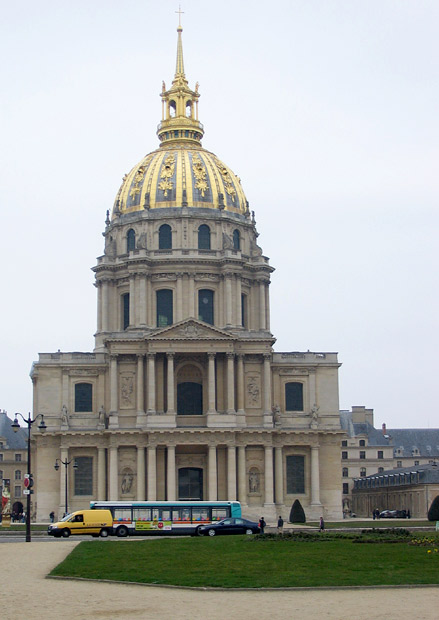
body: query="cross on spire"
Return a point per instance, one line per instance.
(180, 13)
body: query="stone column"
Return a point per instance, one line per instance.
(141, 415)
(171, 495)
(142, 301)
(228, 277)
(101, 475)
(269, 499)
(211, 383)
(240, 383)
(152, 475)
(267, 306)
(212, 474)
(238, 305)
(171, 387)
(132, 300)
(242, 477)
(114, 403)
(99, 309)
(315, 476)
(151, 383)
(149, 314)
(114, 470)
(105, 306)
(231, 473)
(179, 305)
(267, 389)
(262, 318)
(191, 300)
(312, 389)
(230, 383)
(140, 492)
(278, 475)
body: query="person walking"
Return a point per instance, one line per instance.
(262, 524)
(280, 525)
(322, 525)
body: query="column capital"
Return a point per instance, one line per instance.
(170, 354)
(230, 355)
(267, 357)
(150, 355)
(211, 355)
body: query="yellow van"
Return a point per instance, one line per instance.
(94, 522)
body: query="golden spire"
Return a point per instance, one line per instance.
(180, 105)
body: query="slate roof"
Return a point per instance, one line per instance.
(12, 440)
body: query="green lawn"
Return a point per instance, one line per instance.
(240, 561)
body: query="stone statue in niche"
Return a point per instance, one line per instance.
(102, 418)
(314, 416)
(276, 416)
(64, 416)
(253, 390)
(253, 481)
(127, 482)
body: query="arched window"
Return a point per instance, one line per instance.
(164, 307)
(83, 397)
(204, 237)
(125, 310)
(236, 239)
(172, 109)
(294, 396)
(131, 240)
(189, 109)
(205, 306)
(165, 237)
(345, 472)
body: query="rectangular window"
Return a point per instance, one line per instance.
(294, 396)
(17, 458)
(125, 310)
(205, 306)
(344, 443)
(345, 488)
(344, 456)
(244, 321)
(83, 397)
(123, 515)
(399, 463)
(362, 454)
(295, 474)
(164, 308)
(380, 454)
(416, 463)
(1, 457)
(17, 492)
(17, 474)
(84, 475)
(362, 442)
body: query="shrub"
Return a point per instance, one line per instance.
(297, 514)
(433, 513)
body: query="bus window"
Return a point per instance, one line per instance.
(166, 514)
(142, 514)
(180, 515)
(200, 513)
(122, 514)
(219, 513)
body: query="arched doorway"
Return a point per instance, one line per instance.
(190, 483)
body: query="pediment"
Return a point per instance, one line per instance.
(191, 329)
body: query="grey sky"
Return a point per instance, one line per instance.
(326, 109)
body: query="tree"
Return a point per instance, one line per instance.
(433, 513)
(297, 514)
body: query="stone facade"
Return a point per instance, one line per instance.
(183, 395)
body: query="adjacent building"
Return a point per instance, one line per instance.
(13, 464)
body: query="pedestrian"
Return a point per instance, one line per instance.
(280, 525)
(262, 524)
(322, 525)
(52, 517)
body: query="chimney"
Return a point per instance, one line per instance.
(384, 429)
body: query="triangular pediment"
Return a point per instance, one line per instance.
(191, 329)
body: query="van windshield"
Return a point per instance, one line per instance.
(67, 517)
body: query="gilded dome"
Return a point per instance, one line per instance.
(180, 173)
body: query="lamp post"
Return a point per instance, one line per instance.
(66, 463)
(42, 427)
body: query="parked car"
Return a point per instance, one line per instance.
(393, 514)
(228, 526)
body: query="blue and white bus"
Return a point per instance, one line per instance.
(131, 518)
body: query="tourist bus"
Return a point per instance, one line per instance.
(143, 517)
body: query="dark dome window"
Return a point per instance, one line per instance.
(165, 237)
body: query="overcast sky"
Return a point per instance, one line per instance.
(326, 109)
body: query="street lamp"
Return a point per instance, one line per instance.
(42, 427)
(66, 463)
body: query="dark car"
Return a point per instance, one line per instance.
(393, 514)
(228, 526)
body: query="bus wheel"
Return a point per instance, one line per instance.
(103, 533)
(212, 533)
(65, 533)
(122, 531)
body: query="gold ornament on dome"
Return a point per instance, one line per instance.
(167, 173)
(227, 180)
(199, 174)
